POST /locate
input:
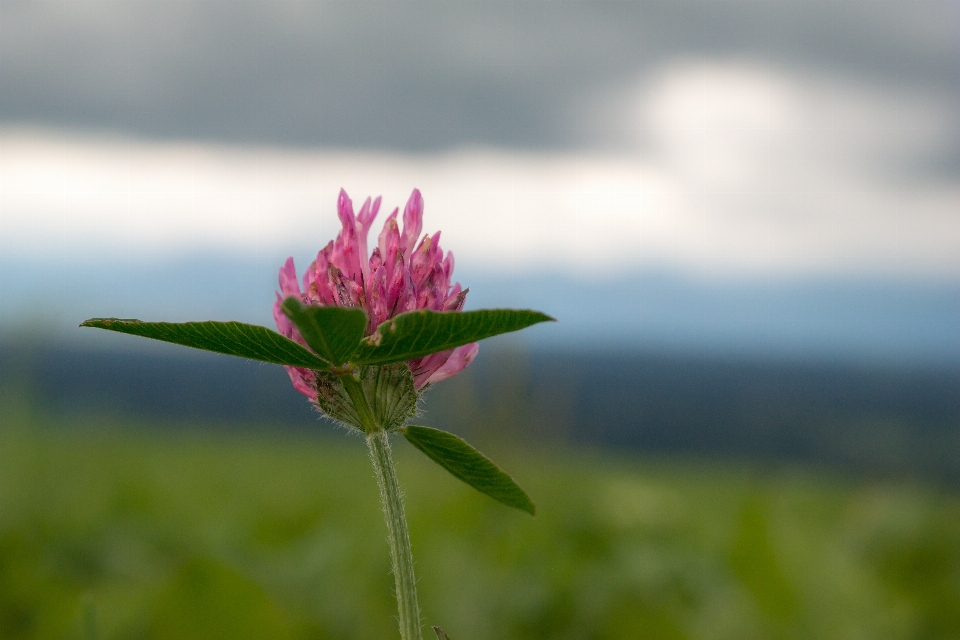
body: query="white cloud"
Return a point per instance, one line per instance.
(747, 170)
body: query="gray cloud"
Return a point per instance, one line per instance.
(428, 75)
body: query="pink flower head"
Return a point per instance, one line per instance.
(399, 275)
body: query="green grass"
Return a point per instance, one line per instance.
(112, 530)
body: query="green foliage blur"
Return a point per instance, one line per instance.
(110, 529)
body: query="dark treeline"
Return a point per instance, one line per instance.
(877, 419)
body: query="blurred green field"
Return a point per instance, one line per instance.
(116, 530)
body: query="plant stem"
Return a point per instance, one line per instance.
(398, 536)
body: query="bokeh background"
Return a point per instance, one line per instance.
(744, 215)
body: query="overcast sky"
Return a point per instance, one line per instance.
(433, 75)
(704, 135)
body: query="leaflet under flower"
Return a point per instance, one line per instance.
(399, 275)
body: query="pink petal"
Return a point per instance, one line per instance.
(429, 297)
(455, 300)
(347, 293)
(399, 288)
(364, 220)
(426, 366)
(284, 325)
(412, 221)
(303, 381)
(389, 242)
(421, 263)
(377, 299)
(448, 266)
(345, 211)
(288, 279)
(375, 260)
(457, 362)
(316, 280)
(346, 248)
(368, 214)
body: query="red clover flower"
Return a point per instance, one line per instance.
(394, 279)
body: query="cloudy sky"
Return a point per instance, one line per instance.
(717, 139)
(429, 76)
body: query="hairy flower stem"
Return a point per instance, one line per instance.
(398, 536)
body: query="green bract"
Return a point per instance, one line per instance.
(386, 392)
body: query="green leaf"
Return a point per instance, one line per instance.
(468, 464)
(420, 333)
(231, 338)
(333, 332)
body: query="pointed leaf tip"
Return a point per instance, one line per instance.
(469, 465)
(333, 332)
(440, 634)
(230, 338)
